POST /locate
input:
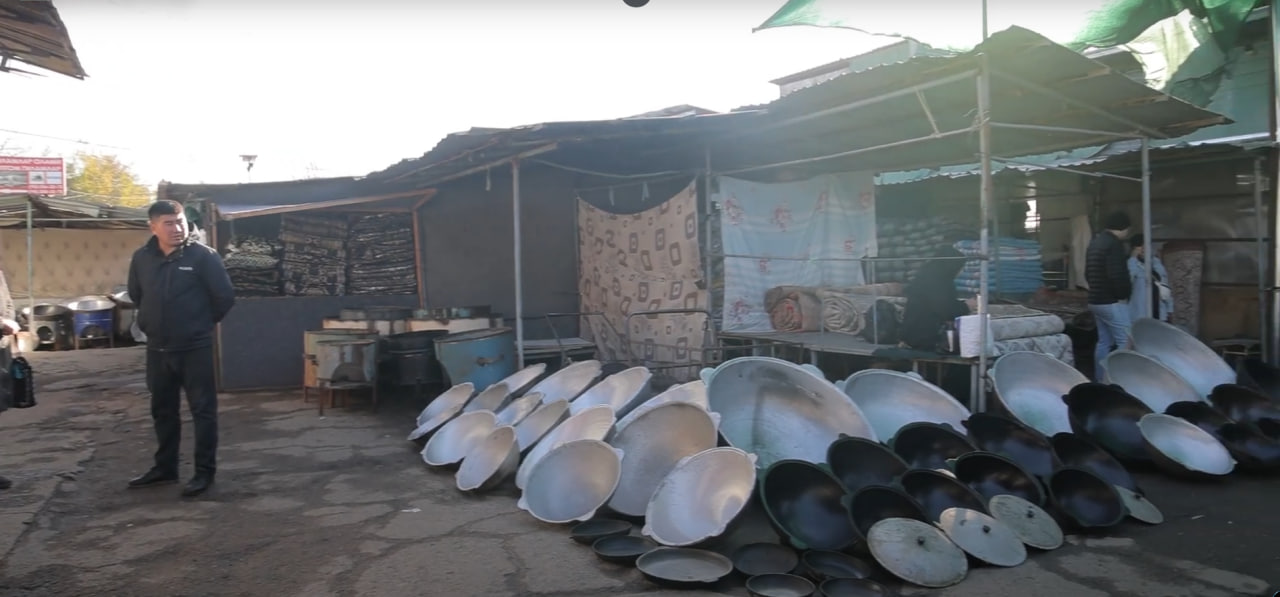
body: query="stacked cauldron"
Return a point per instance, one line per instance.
(878, 476)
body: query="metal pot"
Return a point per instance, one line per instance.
(781, 411)
(990, 475)
(937, 492)
(874, 503)
(1181, 448)
(803, 502)
(440, 410)
(594, 423)
(516, 410)
(891, 400)
(1183, 353)
(492, 399)
(655, 442)
(490, 462)
(929, 445)
(573, 481)
(1149, 380)
(1030, 385)
(542, 420)
(87, 304)
(1023, 445)
(859, 463)
(1243, 404)
(1085, 499)
(701, 498)
(457, 438)
(620, 391)
(1109, 416)
(567, 383)
(520, 381)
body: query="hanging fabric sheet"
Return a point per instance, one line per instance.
(793, 234)
(647, 261)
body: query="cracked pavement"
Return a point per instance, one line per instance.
(342, 505)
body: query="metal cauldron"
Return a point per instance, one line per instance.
(874, 503)
(1020, 443)
(1244, 405)
(990, 475)
(779, 410)
(1030, 386)
(1148, 380)
(654, 442)
(516, 410)
(441, 409)
(492, 399)
(567, 383)
(1079, 453)
(1183, 353)
(594, 423)
(929, 445)
(701, 498)
(1255, 373)
(620, 391)
(891, 400)
(490, 462)
(572, 482)
(1085, 499)
(1252, 449)
(1181, 448)
(542, 420)
(859, 462)
(803, 501)
(457, 438)
(1109, 416)
(937, 492)
(520, 381)
(694, 392)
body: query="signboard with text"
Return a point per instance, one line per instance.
(34, 176)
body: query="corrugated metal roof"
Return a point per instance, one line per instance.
(772, 134)
(13, 213)
(247, 199)
(33, 32)
(1026, 62)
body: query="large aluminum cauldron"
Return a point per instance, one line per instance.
(701, 497)
(779, 410)
(573, 481)
(569, 382)
(620, 391)
(1183, 353)
(1149, 380)
(654, 441)
(891, 400)
(1030, 386)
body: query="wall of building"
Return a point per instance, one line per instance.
(68, 262)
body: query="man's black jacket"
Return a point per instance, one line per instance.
(1106, 268)
(180, 297)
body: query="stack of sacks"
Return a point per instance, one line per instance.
(1017, 261)
(380, 255)
(916, 238)
(254, 266)
(315, 254)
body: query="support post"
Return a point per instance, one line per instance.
(707, 205)
(515, 235)
(979, 402)
(31, 268)
(1260, 225)
(1147, 257)
(1274, 282)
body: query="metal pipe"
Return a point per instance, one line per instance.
(844, 154)
(1275, 187)
(1061, 129)
(31, 269)
(1260, 225)
(515, 242)
(1065, 169)
(1147, 257)
(1041, 89)
(866, 102)
(707, 251)
(984, 242)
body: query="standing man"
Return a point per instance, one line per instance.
(182, 291)
(1106, 269)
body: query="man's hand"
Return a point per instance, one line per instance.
(9, 326)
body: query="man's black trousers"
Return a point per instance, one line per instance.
(169, 374)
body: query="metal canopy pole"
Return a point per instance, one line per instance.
(1274, 336)
(31, 269)
(1147, 257)
(1260, 224)
(984, 200)
(515, 241)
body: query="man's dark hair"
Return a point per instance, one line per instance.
(1117, 220)
(164, 207)
(1135, 241)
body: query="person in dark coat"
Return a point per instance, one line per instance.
(932, 301)
(182, 291)
(1106, 269)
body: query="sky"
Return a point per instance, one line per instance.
(179, 89)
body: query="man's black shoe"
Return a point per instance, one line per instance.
(197, 485)
(5, 483)
(152, 478)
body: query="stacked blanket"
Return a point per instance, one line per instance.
(380, 256)
(315, 254)
(810, 309)
(253, 264)
(1016, 260)
(914, 238)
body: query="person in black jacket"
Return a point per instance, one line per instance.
(932, 301)
(182, 291)
(1106, 269)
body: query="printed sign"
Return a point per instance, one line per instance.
(34, 176)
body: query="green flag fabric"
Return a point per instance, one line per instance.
(956, 25)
